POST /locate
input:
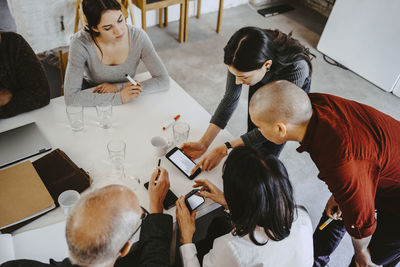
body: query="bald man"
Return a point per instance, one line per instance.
(357, 151)
(101, 227)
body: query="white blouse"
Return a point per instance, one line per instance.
(231, 251)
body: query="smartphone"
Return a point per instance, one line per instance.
(193, 201)
(182, 162)
(169, 200)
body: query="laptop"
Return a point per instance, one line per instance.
(21, 143)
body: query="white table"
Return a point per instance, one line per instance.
(135, 123)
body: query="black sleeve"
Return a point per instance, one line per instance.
(228, 104)
(24, 263)
(155, 240)
(33, 89)
(31, 263)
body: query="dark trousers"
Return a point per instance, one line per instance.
(267, 147)
(219, 226)
(384, 245)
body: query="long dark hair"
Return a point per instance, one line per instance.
(250, 47)
(93, 9)
(258, 193)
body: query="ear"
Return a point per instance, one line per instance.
(267, 64)
(282, 130)
(125, 249)
(94, 28)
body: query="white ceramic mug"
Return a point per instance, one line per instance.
(67, 200)
(160, 145)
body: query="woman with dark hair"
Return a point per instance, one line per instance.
(268, 229)
(254, 57)
(103, 52)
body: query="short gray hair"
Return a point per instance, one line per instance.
(104, 242)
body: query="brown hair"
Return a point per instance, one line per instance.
(250, 47)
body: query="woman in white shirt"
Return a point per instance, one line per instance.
(268, 229)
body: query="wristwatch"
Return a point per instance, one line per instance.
(228, 147)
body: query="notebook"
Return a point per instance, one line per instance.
(22, 195)
(39, 244)
(21, 143)
(58, 173)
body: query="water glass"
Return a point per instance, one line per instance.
(181, 132)
(104, 114)
(116, 151)
(75, 117)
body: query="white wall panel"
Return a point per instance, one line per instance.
(364, 36)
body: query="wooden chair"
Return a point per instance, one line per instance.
(125, 6)
(219, 20)
(62, 62)
(80, 17)
(146, 5)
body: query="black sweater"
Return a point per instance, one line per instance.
(21, 74)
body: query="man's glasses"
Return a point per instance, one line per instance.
(142, 217)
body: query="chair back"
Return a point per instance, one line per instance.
(62, 62)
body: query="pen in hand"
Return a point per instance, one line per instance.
(325, 224)
(130, 79)
(158, 174)
(328, 221)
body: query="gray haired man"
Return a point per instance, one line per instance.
(102, 224)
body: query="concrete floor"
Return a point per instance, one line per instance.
(197, 66)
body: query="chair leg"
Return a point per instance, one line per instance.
(160, 18)
(198, 8)
(166, 16)
(221, 7)
(144, 19)
(181, 23)
(186, 20)
(131, 11)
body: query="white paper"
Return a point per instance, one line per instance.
(6, 248)
(42, 244)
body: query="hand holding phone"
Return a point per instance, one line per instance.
(209, 190)
(159, 192)
(193, 200)
(186, 221)
(182, 162)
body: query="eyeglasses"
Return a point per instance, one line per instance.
(142, 217)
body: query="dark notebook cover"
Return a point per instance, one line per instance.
(275, 10)
(58, 173)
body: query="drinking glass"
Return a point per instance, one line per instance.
(116, 152)
(181, 132)
(104, 115)
(75, 117)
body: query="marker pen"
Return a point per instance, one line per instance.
(130, 79)
(158, 174)
(325, 224)
(171, 122)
